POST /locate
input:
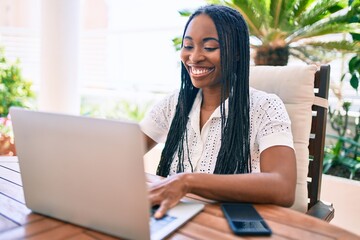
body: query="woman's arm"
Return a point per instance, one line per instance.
(149, 143)
(275, 183)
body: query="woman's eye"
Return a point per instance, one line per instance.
(210, 49)
(188, 47)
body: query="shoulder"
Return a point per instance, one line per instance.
(156, 122)
(262, 99)
(166, 106)
(267, 106)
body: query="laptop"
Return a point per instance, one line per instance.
(90, 172)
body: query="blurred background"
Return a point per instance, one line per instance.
(118, 54)
(115, 58)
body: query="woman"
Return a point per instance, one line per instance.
(223, 140)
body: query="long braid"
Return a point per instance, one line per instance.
(234, 152)
(177, 133)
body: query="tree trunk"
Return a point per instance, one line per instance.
(273, 56)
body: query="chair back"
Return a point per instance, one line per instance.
(318, 132)
(304, 91)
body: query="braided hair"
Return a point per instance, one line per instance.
(234, 153)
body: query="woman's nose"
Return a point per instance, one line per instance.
(196, 56)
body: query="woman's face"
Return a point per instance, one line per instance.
(201, 53)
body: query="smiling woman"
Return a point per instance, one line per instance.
(223, 140)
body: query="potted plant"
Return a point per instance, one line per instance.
(284, 28)
(342, 156)
(14, 91)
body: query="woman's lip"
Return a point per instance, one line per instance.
(200, 71)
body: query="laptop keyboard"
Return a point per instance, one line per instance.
(157, 224)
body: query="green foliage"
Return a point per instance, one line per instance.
(122, 109)
(346, 149)
(6, 127)
(354, 71)
(297, 18)
(295, 23)
(14, 89)
(133, 111)
(177, 43)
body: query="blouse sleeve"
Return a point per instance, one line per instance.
(156, 123)
(274, 125)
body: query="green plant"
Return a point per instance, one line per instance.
(5, 126)
(345, 151)
(354, 71)
(14, 89)
(134, 111)
(121, 109)
(291, 27)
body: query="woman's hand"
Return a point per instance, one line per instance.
(167, 193)
(275, 184)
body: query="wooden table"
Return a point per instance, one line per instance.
(18, 222)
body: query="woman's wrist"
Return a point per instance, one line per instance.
(186, 179)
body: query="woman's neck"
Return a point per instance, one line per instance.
(210, 100)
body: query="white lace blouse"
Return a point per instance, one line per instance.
(269, 126)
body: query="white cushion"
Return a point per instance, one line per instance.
(295, 86)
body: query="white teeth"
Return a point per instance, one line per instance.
(199, 70)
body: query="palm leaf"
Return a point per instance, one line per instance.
(310, 55)
(318, 10)
(324, 29)
(261, 7)
(255, 13)
(347, 15)
(185, 12)
(341, 46)
(276, 7)
(354, 3)
(296, 22)
(250, 15)
(300, 7)
(286, 21)
(177, 41)
(274, 36)
(218, 2)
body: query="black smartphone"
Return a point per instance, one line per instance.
(244, 219)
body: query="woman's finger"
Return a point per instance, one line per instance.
(163, 208)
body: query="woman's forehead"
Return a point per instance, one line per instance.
(201, 25)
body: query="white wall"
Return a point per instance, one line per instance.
(345, 196)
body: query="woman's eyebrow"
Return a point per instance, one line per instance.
(204, 40)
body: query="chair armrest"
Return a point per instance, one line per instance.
(322, 210)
